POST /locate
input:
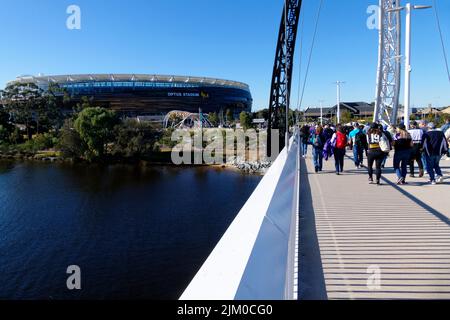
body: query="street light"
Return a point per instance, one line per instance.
(321, 111)
(338, 113)
(408, 8)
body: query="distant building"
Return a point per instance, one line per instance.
(359, 110)
(446, 110)
(133, 95)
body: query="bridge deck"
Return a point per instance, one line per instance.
(347, 226)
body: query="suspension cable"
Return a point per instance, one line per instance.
(442, 38)
(311, 51)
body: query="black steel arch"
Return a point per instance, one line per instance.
(283, 67)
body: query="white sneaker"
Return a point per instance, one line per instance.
(440, 179)
(433, 183)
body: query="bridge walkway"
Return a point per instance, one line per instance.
(350, 230)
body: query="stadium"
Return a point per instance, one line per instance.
(135, 95)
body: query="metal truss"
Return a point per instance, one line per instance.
(283, 66)
(389, 63)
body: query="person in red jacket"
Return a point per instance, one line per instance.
(339, 142)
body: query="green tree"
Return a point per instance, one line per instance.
(346, 117)
(70, 143)
(23, 101)
(229, 116)
(95, 127)
(133, 139)
(214, 119)
(246, 120)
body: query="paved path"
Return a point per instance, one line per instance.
(348, 226)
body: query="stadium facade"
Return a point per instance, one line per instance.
(141, 95)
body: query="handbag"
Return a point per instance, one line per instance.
(384, 144)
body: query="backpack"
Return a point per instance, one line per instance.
(341, 140)
(360, 139)
(317, 142)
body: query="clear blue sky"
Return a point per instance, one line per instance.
(231, 39)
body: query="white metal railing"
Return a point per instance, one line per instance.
(256, 258)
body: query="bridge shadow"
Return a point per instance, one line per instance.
(311, 279)
(419, 202)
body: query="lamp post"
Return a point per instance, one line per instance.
(321, 111)
(408, 8)
(338, 112)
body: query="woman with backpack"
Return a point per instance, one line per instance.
(318, 141)
(378, 149)
(339, 142)
(403, 145)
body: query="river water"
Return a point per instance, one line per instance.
(135, 233)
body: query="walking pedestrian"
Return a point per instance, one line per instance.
(318, 141)
(403, 147)
(375, 155)
(339, 142)
(435, 146)
(416, 152)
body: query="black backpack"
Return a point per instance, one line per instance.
(360, 139)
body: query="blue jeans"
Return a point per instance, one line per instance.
(304, 146)
(318, 158)
(433, 167)
(401, 161)
(358, 155)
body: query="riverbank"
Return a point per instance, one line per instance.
(158, 159)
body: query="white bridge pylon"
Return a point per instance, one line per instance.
(389, 63)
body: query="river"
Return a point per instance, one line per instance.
(135, 233)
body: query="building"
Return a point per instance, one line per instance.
(358, 110)
(147, 95)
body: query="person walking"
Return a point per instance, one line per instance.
(446, 126)
(318, 141)
(435, 146)
(375, 155)
(388, 132)
(359, 143)
(304, 137)
(416, 152)
(339, 142)
(403, 147)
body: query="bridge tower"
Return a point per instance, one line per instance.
(389, 63)
(282, 69)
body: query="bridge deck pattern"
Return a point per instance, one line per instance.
(402, 230)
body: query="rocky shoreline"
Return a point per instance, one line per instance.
(250, 167)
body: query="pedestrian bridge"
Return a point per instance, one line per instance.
(307, 236)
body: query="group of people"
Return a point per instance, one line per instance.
(422, 143)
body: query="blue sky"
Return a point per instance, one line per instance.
(231, 39)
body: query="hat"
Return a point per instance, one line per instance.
(431, 125)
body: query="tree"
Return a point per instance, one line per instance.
(246, 120)
(23, 101)
(346, 117)
(133, 139)
(70, 142)
(213, 119)
(229, 116)
(95, 127)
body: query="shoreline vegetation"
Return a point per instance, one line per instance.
(48, 126)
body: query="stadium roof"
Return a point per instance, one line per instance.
(60, 79)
